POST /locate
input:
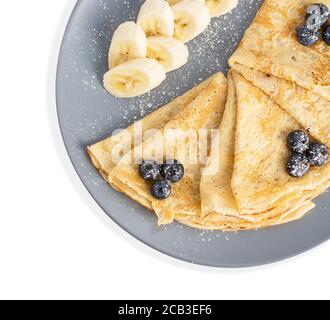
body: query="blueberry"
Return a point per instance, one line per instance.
(298, 141)
(297, 165)
(319, 14)
(161, 189)
(149, 170)
(172, 170)
(314, 18)
(308, 37)
(318, 154)
(326, 35)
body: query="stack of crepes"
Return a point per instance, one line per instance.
(275, 86)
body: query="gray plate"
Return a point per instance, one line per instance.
(88, 114)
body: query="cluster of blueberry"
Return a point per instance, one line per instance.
(316, 25)
(305, 154)
(161, 175)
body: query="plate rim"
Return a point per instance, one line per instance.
(283, 258)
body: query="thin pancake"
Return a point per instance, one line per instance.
(270, 45)
(309, 109)
(216, 222)
(205, 112)
(216, 192)
(219, 208)
(260, 182)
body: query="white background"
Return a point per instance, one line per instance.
(55, 242)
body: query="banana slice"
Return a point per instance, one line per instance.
(171, 53)
(171, 2)
(156, 18)
(220, 7)
(191, 19)
(134, 78)
(128, 42)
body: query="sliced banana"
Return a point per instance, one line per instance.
(128, 42)
(220, 7)
(134, 78)
(171, 53)
(191, 19)
(156, 18)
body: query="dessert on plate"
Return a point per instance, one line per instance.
(239, 153)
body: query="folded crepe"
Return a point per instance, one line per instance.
(309, 109)
(260, 182)
(204, 112)
(215, 187)
(270, 46)
(106, 154)
(218, 203)
(223, 223)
